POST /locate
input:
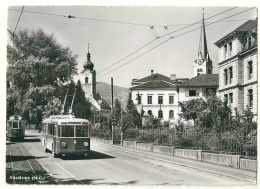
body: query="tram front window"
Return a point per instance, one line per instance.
(15, 125)
(67, 131)
(81, 131)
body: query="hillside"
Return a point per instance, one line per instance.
(104, 90)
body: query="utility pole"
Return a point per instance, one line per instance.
(121, 128)
(112, 93)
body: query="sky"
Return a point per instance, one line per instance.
(109, 42)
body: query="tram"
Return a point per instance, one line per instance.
(66, 135)
(15, 129)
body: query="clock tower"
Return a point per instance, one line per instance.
(203, 64)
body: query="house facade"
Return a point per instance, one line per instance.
(237, 63)
(157, 95)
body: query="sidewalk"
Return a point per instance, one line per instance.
(249, 176)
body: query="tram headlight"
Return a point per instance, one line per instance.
(64, 144)
(85, 143)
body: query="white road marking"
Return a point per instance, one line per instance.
(69, 173)
(188, 166)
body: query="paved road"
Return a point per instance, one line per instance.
(109, 165)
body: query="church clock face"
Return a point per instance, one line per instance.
(199, 62)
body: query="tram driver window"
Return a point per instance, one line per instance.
(15, 125)
(67, 131)
(81, 131)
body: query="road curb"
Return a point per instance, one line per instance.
(180, 164)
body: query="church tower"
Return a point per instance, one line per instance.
(203, 64)
(89, 81)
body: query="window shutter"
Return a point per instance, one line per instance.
(187, 93)
(197, 93)
(203, 92)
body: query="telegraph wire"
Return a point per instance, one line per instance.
(112, 21)
(200, 21)
(172, 38)
(136, 57)
(12, 33)
(129, 55)
(169, 34)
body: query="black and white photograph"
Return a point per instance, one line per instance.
(130, 95)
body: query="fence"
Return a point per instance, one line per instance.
(228, 142)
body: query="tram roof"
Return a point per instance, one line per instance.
(65, 119)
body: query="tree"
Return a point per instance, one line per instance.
(53, 107)
(37, 67)
(132, 118)
(207, 113)
(191, 108)
(81, 106)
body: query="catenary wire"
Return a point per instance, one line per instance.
(172, 38)
(169, 34)
(111, 21)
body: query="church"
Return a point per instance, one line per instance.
(89, 84)
(159, 95)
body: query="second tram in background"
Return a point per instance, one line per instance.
(15, 129)
(65, 134)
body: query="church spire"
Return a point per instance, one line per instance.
(203, 64)
(203, 49)
(88, 55)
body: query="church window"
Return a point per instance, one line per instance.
(150, 112)
(250, 69)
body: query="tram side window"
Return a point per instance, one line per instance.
(82, 131)
(15, 125)
(67, 131)
(50, 129)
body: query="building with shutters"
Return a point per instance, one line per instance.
(237, 63)
(157, 95)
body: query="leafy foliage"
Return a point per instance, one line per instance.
(38, 67)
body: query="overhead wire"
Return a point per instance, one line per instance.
(111, 21)
(169, 34)
(172, 38)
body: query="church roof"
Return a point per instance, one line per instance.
(203, 80)
(154, 84)
(154, 77)
(244, 28)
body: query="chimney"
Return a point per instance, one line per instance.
(151, 72)
(173, 76)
